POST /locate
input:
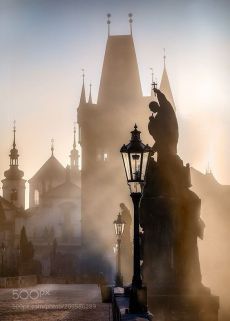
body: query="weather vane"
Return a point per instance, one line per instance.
(130, 22)
(108, 23)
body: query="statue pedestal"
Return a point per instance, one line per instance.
(184, 307)
(170, 219)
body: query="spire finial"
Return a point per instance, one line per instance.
(164, 57)
(52, 146)
(130, 22)
(14, 130)
(82, 98)
(108, 23)
(74, 135)
(83, 75)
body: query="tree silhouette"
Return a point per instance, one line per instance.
(26, 247)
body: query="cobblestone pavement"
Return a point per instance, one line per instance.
(54, 302)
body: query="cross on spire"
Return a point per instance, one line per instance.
(52, 146)
(108, 23)
(130, 22)
(154, 84)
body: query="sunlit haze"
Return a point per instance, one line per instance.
(45, 44)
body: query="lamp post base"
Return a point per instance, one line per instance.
(118, 280)
(138, 300)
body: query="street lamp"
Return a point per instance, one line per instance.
(135, 157)
(3, 249)
(119, 225)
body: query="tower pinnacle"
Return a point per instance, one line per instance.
(165, 85)
(74, 159)
(82, 98)
(14, 152)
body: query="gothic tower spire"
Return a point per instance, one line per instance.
(90, 94)
(165, 85)
(82, 98)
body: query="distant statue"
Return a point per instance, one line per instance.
(126, 244)
(163, 126)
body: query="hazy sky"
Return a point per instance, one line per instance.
(44, 44)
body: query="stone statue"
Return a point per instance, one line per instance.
(170, 212)
(163, 126)
(126, 244)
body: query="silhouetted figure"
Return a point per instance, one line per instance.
(126, 244)
(163, 126)
(170, 218)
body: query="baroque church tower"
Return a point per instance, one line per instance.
(14, 184)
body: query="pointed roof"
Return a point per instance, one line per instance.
(165, 87)
(83, 97)
(74, 156)
(90, 95)
(52, 168)
(120, 76)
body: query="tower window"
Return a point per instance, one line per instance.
(14, 195)
(36, 197)
(105, 157)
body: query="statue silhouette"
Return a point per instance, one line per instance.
(163, 126)
(126, 244)
(170, 212)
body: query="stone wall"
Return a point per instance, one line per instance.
(18, 281)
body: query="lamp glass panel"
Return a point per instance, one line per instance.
(135, 159)
(144, 165)
(125, 157)
(119, 228)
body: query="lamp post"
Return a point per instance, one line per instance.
(3, 249)
(18, 259)
(119, 225)
(135, 157)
